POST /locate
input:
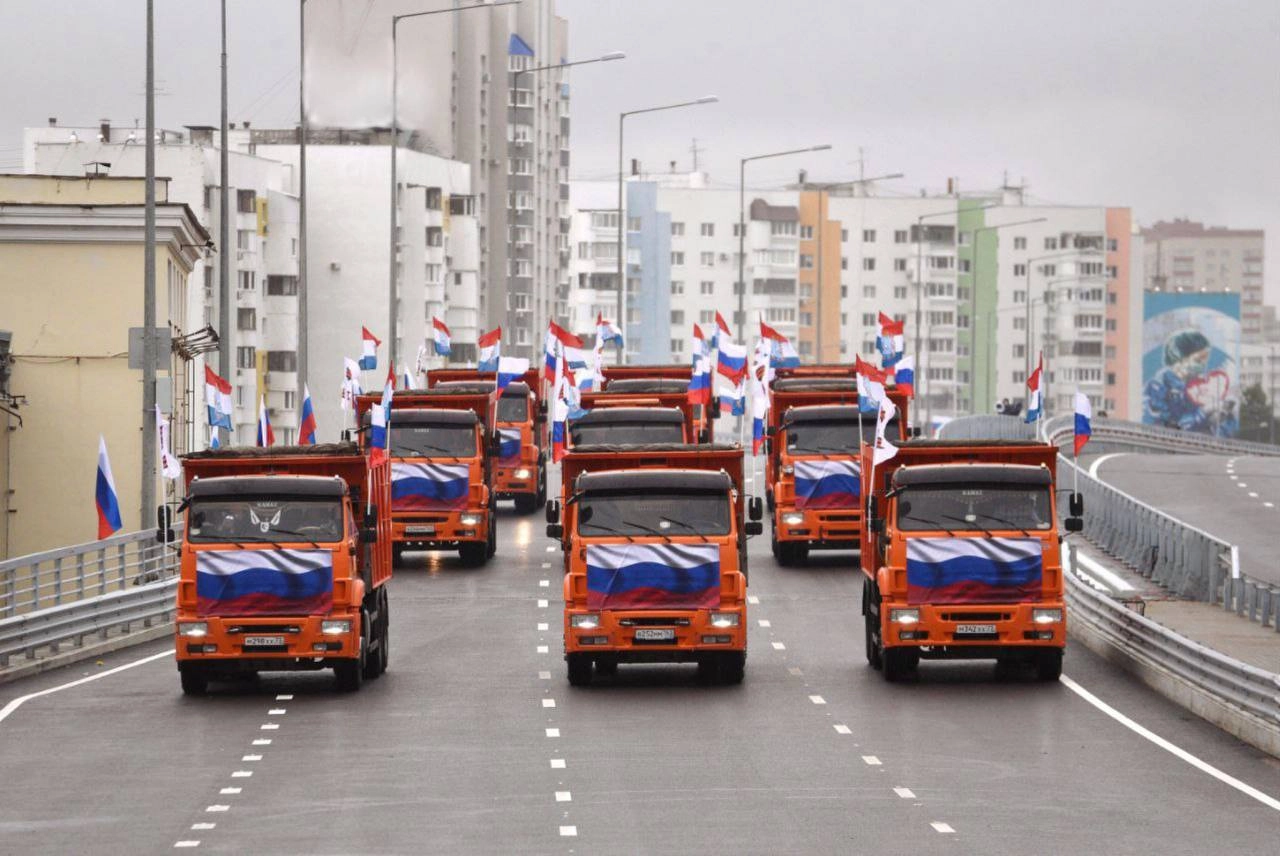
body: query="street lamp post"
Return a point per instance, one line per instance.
(303, 351)
(742, 223)
(622, 214)
(392, 313)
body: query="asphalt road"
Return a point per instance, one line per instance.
(474, 742)
(1236, 499)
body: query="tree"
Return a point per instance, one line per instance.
(1256, 419)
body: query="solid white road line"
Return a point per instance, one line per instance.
(203, 826)
(262, 741)
(1269, 504)
(817, 699)
(277, 711)
(905, 793)
(270, 726)
(1253, 495)
(177, 844)
(1203, 766)
(21, 700)
(251, 758)
(242, 774)
(557, 763)
(939, 826)
(1107, 576)
(288, 697)
(871, 760)
(216, 808)
(1093, 468)
(842, 729)
(564, 796)
(230, 791)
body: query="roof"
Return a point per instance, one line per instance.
(640, 448)
(432, 416)
(615, 415)
(971, 474)
(639, 481)
(318, 450)
(1190, 229)
(647, 384)
(472, 387)
(761, 210)
(811, 384)
(828, 413)
(443, 390)
(970, 444)
(264, 486)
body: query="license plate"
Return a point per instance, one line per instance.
(263, 641)
(975, 629)
(655, 634)
(419, 530)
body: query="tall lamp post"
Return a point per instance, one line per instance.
(392, 313)
(302, 194)
(515, 79)
(622, 214)
(742, 225)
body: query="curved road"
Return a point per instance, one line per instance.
(473, 742)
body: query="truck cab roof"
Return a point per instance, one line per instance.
(318, 450)
(641, 481)
(430, 416)
(471, 387)
(815, 384)
(620, 415)
(258, 487)
(964, 474)
(827, 413)
(647, 385)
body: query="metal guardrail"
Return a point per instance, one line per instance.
(1119, 432)
(67, 574)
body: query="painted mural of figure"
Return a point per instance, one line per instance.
(1185, 394)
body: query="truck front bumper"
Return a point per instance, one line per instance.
(267, 643)
(510, 481)
(818, 529)
(974, 631)
(442, 530)
(655, 636)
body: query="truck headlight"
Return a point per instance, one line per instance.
(193, 629)
(522, 473)
(787, 469)
(469, 520)
(904, 616)
(1046, 616)
(724, 619)
(335, 626)
(793, 518)
(588, 621)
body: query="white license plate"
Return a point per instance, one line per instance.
(419, 530)
(263, 641)
(975, 629)
(655, 634)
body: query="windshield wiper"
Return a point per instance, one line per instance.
(299, 536)
(1009, 523)
(604, 528)
(823, 450)
(967, 524)
(648, 529)
(705, 539)
(922, 523)
(429, 447)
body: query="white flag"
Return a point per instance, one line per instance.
(169, 466)
(884, 449)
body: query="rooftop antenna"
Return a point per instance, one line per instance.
(695, 148)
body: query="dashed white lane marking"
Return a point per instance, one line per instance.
(871, 760)
(544, 676)
(548, 702)
(288, 697)
(277, 711)
(553, 732)
(778, 646)
(230, 791)
(1253, 495)
(186, 844)
(542, 604)
(270, 726)
(905, 793)
(199, 827)
(544, 583)
(216, 808)
(251, 758)
(242, 774)
(557, 763)
(1177, 751)
(944, 828)
(564, 796)
(21, 700)
(752, 599)
(842, 729)
(262, 741)
(569, 831)
(796, 670)
(1269, 504)
(764, 622)
(1232, 476)
(1241, 484)
(543, 626)
(1093, 468)
(551, 548)
(543, 649)
(817, 699)
(546, 564)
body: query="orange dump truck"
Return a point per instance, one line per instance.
(815, 431)
(285, 557)
(961, 556)
(441, 458)
(624, 420)
(520, 469)
(666, 378)
(655, 548)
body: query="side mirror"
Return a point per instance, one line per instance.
(1076, 505)
(553, 511)
(1073, 524)
(916, 431)
(754, 527)
(555, 530)
(369, 535)
(164, 517)
(495, 444)
(346, 435)
(755, 508)
(371, 519)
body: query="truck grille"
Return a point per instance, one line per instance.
(976, 616)
(656, 621)
(264, 628)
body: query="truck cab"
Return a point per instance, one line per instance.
(961, 558)
(284, 560)
(519, 470)
(667, 386)
(606, 424)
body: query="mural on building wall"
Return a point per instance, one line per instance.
(1190, 362)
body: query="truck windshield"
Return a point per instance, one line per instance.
(626, 433)
(974, 507)
(432, 441)
(666, 514)
(275, 520)
(842, 437)
(513, 408)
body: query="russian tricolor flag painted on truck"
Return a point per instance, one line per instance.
(974, 570)
(835, 483)
(509, 443)
(264, 582)
(429, 487)
(653, 576)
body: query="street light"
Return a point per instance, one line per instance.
(395, 139)
(622, 216)
(742, 224)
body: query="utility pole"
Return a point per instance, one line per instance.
(302, 195)
(224, 230)
(149, 355)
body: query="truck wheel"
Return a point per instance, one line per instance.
(526, 503)
(1049, 665)
(606, 668)
(384, 649)
(899, 663)
(768, 499)
(473, 554)
(873, 645)
(790, 555)
(579, 669)
(540, 499)
(491, 546)
(195, 681)
(397, 554)
(349, 674)
(733, 667)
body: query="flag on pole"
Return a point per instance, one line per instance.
(1035, 399)
(556, 333)
(104, 494)
(1084, 429)
(782, 352)
(871, 381)
(490, 345)
(266, 437)
(890, 340)
(440, 334)
(350, 383)
(733, 398)
(560, 417)
(408, 379)
(217, 395)
(904, 375)
(369, 350)
(731, 362)
(307, 420)
(169, 466)
(380, 423)
(884, 450)
(607, 332)
(509, 369)
(759, 409)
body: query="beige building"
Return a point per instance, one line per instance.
(71, 265)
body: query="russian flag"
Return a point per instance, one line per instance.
(828, 483)
(424, 486)
(701, 345)
(721, 326)
(890, 341)
(307, 422)
(607, 331)
(904, 375)
(653, 576)
(731, 362)
(759, 409)
(556, 333)
(274, 581)
(700, 380)
(782, 353)
(733, 400)
(871, 381)
(509, 443)
(104, 494)
(1035, 399)
(1084, 413)
(440, 333)
(509, 369)
(974, 570)
(380, 424)
(490, 345)
(266, 437)
(369, 350)
(558, 425)
(217, 395)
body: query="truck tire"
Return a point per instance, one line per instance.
(349, 674)
(606, 668)
(899, 663)
(397, 554)
(789, 555)
(873, 644)
(733, 667)
(1049, 665)
(384, 649)
(540, 500)
(579, 668)
(491, 546)
(195, 681)
(526, 503)
(474, 553)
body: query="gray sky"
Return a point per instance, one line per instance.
(1167, 106)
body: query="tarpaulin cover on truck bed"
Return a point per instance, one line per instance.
(262, 486)
(318, 451)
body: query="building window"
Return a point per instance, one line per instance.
(844, 290)
(965, 266)
(899, 236)
(677, 258)
(1112, 245)
(1019, 243)
(246, 358)
(707, 230)
(633, 224)
(677, 229)
(282, 361)
(246, 201)
(677, 316)
(900, 264)
(1019, 296)
(244, 240)
(868, 319)
(737, 229)
(604, 219)
(247, 280)
(962, 238)
(1020, 323)
(806, 260)
(868, 291)
(784, 228)
(432, 198)
(869, 264)
(1019, 270)
(806, 319)
(1111, 325)
(1111, 378)
(677, 346)
(844, 236)
(677, 286)
(1019, 352)
(869, 236)
(707, 259)
(282, 286)
(1051, 243)
(706, 287)
(1019, 377)
(844, 263)
(805, 291)
(900, 292)
(806, 233)
(246, 319)
(289, 399)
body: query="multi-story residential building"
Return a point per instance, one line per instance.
(1184, 255)
(261, 343)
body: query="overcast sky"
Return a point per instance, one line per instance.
(1167, 106)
